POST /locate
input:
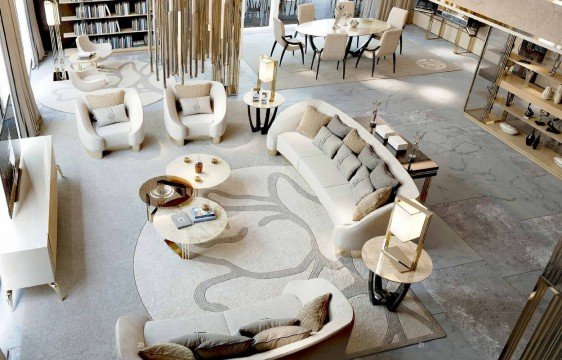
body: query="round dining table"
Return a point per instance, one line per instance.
(321, 28)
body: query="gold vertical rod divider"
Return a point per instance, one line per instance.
(149, 24)
(540, 342)
(157, 29)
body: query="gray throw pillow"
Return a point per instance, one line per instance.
(279, 336)
(314, 314)
(111, 115)
(361, 184)
(381, 178)
(337, 127)
(166, 351)
(225, 347)
(346, 161)
(328, 142)
(255, 327)
(193, 340)
(368, 158)
(197, 105)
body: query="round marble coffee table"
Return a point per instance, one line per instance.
(213, 173)
(382, 267)
(179, 240)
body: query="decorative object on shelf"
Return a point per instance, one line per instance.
(558, 160)
(199, 167)
(540, 121)
(551, 128)
(188, 33)
(529, 112)
(354, 23)
(547, 93)
(53, 20)
(530, 138)
(408, 222)
(508, 129)
(557, 60)
(415, 147)
(558, 95)
(536, 142)
(267, 73)
(373, 123)
(339, 14)
(255, 94)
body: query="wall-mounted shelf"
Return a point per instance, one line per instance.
(530, 93)
(534, 67)
(76, 18)
(122, 32)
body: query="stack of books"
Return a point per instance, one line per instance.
(200, 215)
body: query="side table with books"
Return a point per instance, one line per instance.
(199, 221)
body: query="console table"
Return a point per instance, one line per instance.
(28, 241)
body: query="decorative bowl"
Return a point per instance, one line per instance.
(162, 191)
(558, 161)
(508, 129)
(354, 23)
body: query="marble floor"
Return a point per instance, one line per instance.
(498, 214)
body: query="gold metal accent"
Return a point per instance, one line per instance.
(57, 289)
(9, 300)
(187, 160)
(267, 59)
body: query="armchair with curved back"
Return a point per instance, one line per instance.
(287, 41)
(181, 128)
(87, 80)
(84, 44)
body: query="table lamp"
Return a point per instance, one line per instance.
(267, 73)
(409, 221)
(53, 20)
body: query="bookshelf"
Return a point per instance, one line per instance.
(123, 23)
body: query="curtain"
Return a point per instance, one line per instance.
(379, 9)
(36, 42)
(25, 107)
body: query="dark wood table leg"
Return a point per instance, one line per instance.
(425, 189)
(268, 121)
(380, 296)
(254, 129)
(258, 119)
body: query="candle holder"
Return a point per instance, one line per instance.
(214, 161)
(206, 207)
(187, 160)
(373, 123)
(198, 179)
(199, 167)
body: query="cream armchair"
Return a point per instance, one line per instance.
(117, 136)
(87, 80)
(181, 128)
(84, 44)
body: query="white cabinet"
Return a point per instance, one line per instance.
(28, 241)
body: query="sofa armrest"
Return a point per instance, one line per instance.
(129, 335)
(136, 116)
(175, 128)
(354, 235)
(89, 137)
(218, 95)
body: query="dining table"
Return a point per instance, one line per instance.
(323, 27)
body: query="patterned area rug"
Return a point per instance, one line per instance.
(278, 231)
(122, 73)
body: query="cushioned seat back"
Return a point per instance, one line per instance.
(397, 17)
(305, 13)
(279, 31)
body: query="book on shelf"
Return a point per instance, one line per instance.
(200, 215)
(141, 8)
(98, 27)
(92, 11)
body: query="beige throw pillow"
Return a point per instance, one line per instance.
(354, 142)
(106, 100)
(313, 315)
(224, 348)
(193, 91)
(255, 327)
(166, 351)
(312, 121)
(279, 336)
(371, 202)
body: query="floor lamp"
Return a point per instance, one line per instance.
(53, 20)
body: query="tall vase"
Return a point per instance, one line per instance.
(530, 138)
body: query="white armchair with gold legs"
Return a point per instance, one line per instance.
(201, 125)
(117, 136)
(103, 50)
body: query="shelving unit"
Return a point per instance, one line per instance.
(70, 16)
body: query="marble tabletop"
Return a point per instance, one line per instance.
(212, 175)
(278, 101)
(323, 27)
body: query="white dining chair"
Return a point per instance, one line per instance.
(287, 41)
(305, 13)
(388, 44)
(397, 20)
(335, 49)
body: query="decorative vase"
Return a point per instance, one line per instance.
(547, 93)
(536, 142)
(529, 112)
(530, 138)
(199, 167)
(354, 23)
(551, 128)
(558, 95)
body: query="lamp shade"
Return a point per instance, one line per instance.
(407, 221)
(267, 69)
(51, 13)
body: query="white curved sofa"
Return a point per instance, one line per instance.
(181, 128)
(328, 343)
(327, 181)
(118, 136)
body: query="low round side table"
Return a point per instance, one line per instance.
(258, 105)
(382, 267)
(182, 192)
(180, 240)
(92, 61)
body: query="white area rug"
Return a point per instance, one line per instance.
(124, 73)
(278, 232)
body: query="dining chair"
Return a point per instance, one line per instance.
(348, 6)
(397, 20)
(387, 46)
(287, 41)
(335, 49)
(305, 13)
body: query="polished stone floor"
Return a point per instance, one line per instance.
(498, 214)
